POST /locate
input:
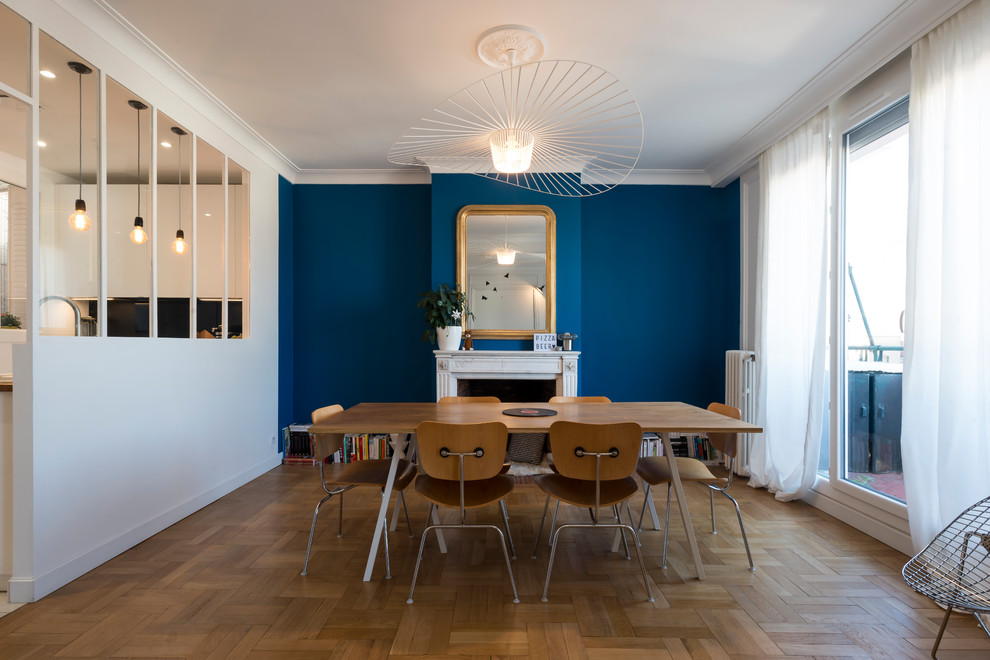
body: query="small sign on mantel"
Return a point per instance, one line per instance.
(544, 342)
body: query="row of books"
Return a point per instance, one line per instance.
(684, 445)
(298, 446)
(360, 447)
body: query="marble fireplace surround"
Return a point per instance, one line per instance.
(558, 366)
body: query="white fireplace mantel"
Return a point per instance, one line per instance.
(560, 366)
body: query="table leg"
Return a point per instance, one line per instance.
(398, 442)
(682, 504)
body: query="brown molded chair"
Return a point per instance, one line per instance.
(594, 464)
(654, 470)
(338, 478)
(580, 399)
(461, 466)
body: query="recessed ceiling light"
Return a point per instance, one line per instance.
(167, 145)
(42, 143)
(208, 215)
(46, 73)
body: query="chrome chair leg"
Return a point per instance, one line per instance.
(388, 567)
(312, 532)
(742, 529)
(630, 514)
(539, 532)
(508, 564)
(553, 553)
(642, 513)
(666, 527)
(405, 508)
(711, 501)
(505, 516)
(553, 523)
(620, 528)
(618, 519)
(419, 558)
(422, 544)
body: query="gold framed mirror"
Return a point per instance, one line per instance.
(506, 267)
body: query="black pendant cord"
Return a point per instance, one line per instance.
(180, 183)
(139, 161)
(80, 135)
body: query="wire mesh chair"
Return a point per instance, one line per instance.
(954, 569)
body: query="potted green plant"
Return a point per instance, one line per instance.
(445, 307)
(8, 320)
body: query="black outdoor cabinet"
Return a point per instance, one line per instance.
(874, 435)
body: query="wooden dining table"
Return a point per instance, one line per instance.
(401, 419)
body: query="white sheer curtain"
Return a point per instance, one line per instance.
(945, 437)
(790, 310)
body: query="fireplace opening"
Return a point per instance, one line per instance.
(508, 390)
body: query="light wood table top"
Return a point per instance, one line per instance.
(658, 417)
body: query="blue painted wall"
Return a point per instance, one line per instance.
(361, 257)
(647, 276)
(660, 267)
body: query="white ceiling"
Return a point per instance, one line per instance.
(331, 84)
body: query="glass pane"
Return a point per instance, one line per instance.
(69, 206)
(239, 254)
(174, 221)
(15, 51)
(128, 200)
(13, 213)
(876, 197)
(209, 241)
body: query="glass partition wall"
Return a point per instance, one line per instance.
(69, 202)
(142, 226)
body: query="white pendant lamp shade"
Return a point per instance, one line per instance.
(556, 126)
(512, 150)
(505, 257)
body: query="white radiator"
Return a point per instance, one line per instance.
(740, 391)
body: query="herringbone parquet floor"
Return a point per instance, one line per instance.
(225, 583)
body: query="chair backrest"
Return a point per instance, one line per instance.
(566, 437)
(580, 399)
(458, 438)
(468, 399)
(724, 442)
(326, 443)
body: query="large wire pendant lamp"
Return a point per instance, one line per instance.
(79, 219)
(556, 126)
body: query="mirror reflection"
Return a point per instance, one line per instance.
(506, 269)
(13, 214)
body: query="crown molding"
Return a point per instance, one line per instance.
(667, 178)
(403, 177)
(907, 23)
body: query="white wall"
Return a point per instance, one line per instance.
(117, 438)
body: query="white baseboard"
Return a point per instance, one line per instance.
(898, 539)
(30, 589)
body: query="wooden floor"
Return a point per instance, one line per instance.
(225, 583)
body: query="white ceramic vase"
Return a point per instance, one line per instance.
(449, 339)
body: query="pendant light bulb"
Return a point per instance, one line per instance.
(179, 245)
(78, 219)
(138, 234)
